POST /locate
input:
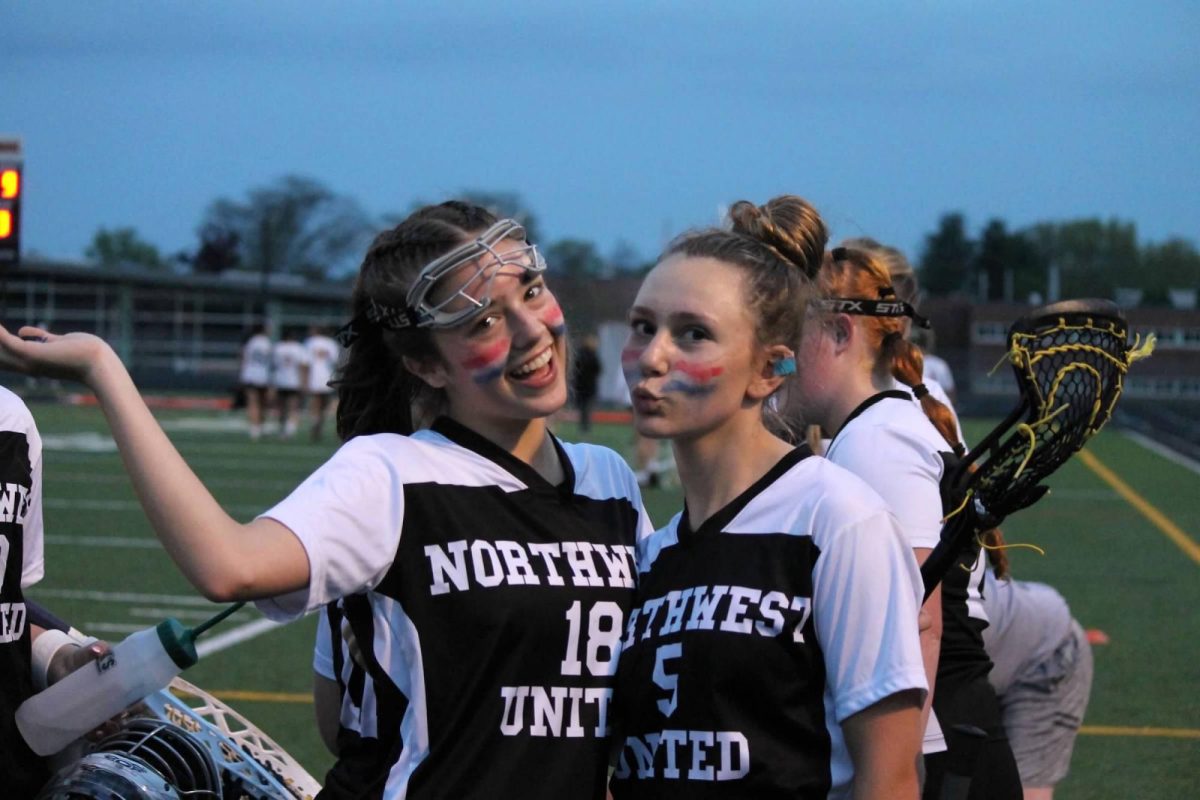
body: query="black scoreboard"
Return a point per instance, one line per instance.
(12, 178)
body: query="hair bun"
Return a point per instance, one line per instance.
(789, 225)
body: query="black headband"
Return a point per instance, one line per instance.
(393, 319)
(872, 308)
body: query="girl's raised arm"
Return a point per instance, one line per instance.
(223, 558)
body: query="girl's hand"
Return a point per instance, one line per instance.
(69, 659)
(33, 351)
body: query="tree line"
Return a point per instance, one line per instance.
(299, 226)
(1077, 258)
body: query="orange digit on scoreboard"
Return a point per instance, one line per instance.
(10, 184)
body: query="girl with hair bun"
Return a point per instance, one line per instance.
(772, 650)
(862, 379)
(485, 566)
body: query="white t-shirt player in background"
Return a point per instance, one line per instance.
(254, 375)
(321, 359)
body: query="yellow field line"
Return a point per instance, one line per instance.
(1160, 520)
(1117, 730)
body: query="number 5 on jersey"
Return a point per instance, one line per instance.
(667, 681)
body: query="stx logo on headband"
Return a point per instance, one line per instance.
(871, 308)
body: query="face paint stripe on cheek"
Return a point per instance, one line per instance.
(555, 321)
(630, 368)
(486, 355)
(697, 372)
(690, 389)
(488, 375)
(487, 363)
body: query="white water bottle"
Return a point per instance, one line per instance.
(143, 663)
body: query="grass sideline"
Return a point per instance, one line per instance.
(1117, 569)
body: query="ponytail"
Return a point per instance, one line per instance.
(907, 366)
(376, 392)
(997, 555)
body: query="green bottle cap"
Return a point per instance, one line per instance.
(179, 642)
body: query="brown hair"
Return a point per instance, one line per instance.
(376, 392)
(904, 277)
(862, 274)
(779, 247)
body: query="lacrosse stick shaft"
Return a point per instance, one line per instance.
(957, 534)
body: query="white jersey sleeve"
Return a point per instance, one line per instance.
(33, 566)
(865, 593)
(904, 471)
(348, 517)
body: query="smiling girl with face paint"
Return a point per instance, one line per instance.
(772, 650)
(485, 567)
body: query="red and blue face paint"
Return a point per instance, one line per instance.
(487, 361)
(692, 378)
(630, 357)
(553, 319)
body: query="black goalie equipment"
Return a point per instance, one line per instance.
(1070, 360)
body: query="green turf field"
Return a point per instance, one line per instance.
(1118, 569)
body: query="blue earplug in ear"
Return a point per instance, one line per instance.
(785, 366)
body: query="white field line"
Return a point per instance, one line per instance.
(242, 633)
(93, 628)
(235, 462)
(136, 598)
(159, 614)
(90, 444)
(206, 646)
(130, 505)
(212, 483)
(133, 542)
(1174, 456)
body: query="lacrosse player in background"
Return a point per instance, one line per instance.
(288, 357)
(255, 377)
(1042, 671)
(320, 363)
(860, 387)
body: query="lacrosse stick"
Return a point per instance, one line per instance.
(1070, 360)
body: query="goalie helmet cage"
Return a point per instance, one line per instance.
(200, 747)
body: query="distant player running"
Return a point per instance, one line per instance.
(255, 377)
(321, 360)
(288, 358)
(496, 560)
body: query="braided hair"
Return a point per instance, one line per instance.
(863, 274)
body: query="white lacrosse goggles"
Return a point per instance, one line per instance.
(456, 287)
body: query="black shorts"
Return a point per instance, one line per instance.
(995, 775)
